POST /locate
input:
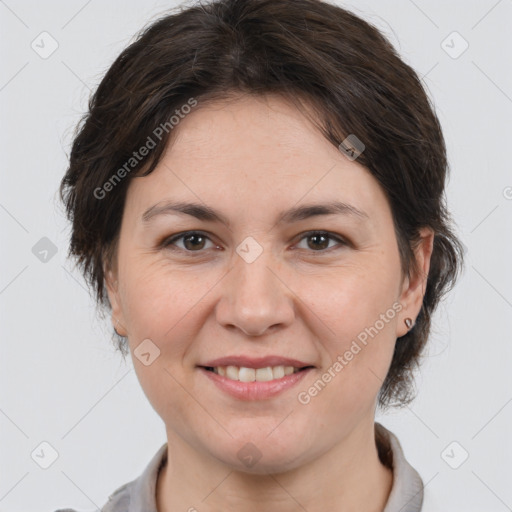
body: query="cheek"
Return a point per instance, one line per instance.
(157, 303)
(166, 391)
(350, 299)
(156, 298)
(359, 311)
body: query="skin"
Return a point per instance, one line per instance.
(252, 158)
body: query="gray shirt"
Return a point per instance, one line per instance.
(406, 495)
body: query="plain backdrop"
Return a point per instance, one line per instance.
(61, 381)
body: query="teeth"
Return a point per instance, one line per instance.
(231, 372)
(262, 374)
(278, 371)
(251, 374)
(246, 374)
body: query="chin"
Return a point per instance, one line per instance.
(261, 453)
(268, 463)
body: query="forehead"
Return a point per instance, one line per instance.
(253, 152)
(237, 128)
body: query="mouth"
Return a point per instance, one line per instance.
(264, 374)
(245, 377)
(262, 380)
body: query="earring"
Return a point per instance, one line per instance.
(408, 323)
(117, 323)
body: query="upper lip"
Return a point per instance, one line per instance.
(255, 362)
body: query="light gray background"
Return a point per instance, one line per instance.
(62, 382)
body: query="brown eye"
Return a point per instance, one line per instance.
(193, 241)
(318, 241)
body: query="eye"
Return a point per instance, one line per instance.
(320, 240)
(192, 240)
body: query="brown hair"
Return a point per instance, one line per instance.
(304, 50)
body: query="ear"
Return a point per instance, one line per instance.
(112, 287)
(413, 288)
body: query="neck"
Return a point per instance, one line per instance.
(338, 479)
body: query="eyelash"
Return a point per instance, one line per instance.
(168, 242)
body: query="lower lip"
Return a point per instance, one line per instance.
(255, 390)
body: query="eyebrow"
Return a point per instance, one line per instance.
(290, 216)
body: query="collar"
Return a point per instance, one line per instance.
(406, 493)
(407, 489)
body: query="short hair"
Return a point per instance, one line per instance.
(308, 51)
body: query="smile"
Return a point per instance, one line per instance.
(243, 383)
(243, 374)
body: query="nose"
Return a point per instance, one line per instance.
(255, 297)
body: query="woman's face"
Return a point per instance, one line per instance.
(256, 285)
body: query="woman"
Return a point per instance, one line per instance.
(257, 198)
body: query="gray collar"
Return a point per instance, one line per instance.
(406, 494)
(407, 491)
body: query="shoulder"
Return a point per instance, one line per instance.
(137, 495)
(118, 501)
